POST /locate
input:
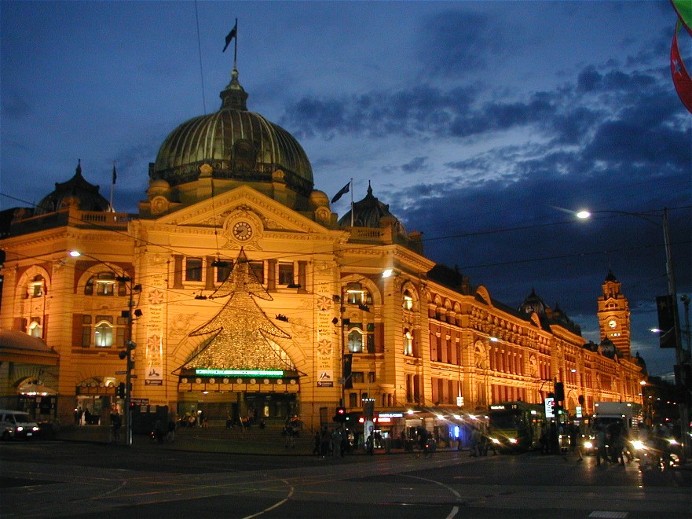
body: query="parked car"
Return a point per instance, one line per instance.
(16, 424)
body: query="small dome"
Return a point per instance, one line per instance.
(237, 144)
(158, 187)
(607, 348)
(319, 199)
(372, 213)
(610, 276)
(533, 303)
(75, 192)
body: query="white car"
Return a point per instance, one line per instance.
(16, 424)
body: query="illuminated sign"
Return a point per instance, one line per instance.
(391, 415)
(550, 407)
(240, 373)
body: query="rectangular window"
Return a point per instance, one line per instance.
(358, 377)
(286, 274)
(104, 287)
(223, 270)
(193, 269)
(353, 400)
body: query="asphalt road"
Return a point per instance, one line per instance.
(75, 479)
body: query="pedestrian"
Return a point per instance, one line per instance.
(316, 446)
(575, 441)
(116, 423)
(601, 442)
(475, 441)
(171, 430)
(325, 440)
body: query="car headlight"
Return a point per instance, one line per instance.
(672, 441)
(588, 444)
(513, 440)
(638, 445)
(495, 440)
(35, 428)
(20, 428)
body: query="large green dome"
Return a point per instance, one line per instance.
(238, 144)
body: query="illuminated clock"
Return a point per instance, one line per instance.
(242, 231)
(612, 323)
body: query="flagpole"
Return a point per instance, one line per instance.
(235, 46)
(352, 206)
(112, 187)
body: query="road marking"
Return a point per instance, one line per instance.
(275, 505)
(608, 515)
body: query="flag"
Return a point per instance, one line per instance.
(231, 35)
(341, 192)
(684, 10)
(115, 175)
(681, 79)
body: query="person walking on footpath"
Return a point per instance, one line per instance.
(116, 423)
(601, 452)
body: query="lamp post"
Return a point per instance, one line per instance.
(130, 345)
(672, 296)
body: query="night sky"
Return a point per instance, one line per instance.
(484, 125)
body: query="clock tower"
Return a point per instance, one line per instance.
(614, 315)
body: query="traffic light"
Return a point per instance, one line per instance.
(340, 415)
(120, 390)
(559, 392)
(667, 317)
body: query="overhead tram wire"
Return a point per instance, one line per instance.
(201, 69)
(360, 248)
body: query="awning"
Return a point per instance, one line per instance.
(19, 347)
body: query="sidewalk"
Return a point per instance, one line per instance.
(253, 440)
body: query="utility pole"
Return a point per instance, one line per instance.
(128, 354)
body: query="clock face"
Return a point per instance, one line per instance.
(612, 323)
(242, 231)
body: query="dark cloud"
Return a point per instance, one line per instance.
(456, 42)
(14, 105)
(415, 165)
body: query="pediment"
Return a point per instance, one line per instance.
(243, 202)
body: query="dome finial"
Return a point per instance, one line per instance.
(78, 170)
(234, 97)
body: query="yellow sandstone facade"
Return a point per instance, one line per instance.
(246, 296)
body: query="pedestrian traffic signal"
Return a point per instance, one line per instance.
(120, 390)
(340, 415)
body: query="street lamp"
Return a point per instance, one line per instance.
(672, 299)
(130, 345)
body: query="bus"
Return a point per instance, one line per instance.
(515, 426)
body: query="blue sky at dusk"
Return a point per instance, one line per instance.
(482, 124)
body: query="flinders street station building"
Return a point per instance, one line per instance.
(237, 293)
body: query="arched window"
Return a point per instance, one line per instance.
(103, 284)
(356, 294)
(103, 334)
(407, 302)
(355, 340)
(408, 343)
